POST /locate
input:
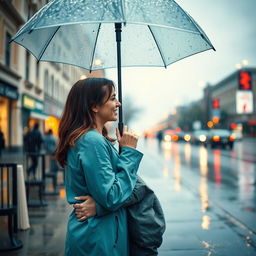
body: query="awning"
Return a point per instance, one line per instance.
(38, 115)
(251, 122)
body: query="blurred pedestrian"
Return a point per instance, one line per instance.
(159, 137)
(2, 142)
(25, 139)
(33, 146)
(50, 144)
(145, 136)
(94, 167)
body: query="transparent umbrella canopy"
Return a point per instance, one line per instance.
(100, 34)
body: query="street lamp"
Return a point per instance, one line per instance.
(244, 63)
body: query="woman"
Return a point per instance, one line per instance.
(94, 167)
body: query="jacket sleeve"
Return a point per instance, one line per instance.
(109, 188)
(138, 193)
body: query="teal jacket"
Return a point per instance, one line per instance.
(95, 168)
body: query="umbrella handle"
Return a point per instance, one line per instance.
(120, 128)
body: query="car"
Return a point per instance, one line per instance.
(238, 134)
(174, 136)
(200, 137)
(221, 137)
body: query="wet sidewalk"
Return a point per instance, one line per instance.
(195, 226)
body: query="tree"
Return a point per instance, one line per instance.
(188, 114)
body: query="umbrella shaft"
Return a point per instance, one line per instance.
(118, 29)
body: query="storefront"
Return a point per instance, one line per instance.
(8, 100)
(54, 111)
(32, 112)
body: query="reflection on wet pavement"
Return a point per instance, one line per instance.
(176, 171)
(246, 180)
(187, 154)
(217, 166)
(209, 199)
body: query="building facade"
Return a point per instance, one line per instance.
(234, 98)
(30, 91)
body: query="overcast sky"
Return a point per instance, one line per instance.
(231, 27)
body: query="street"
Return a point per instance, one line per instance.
(208, 197)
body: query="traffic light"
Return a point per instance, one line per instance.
(215, 103)
(245, 81)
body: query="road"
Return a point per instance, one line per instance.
(208, 196)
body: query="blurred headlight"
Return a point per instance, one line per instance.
(202, 138)
(187, 137)
(167, 137)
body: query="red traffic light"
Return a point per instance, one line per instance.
(215, 103)
(245, 81)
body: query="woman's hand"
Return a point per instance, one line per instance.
(129, 139)
(86, 209)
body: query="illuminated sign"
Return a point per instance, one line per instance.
(32, 104)
(244, 102)
(28, 102)
(8, 91)
(245, 81)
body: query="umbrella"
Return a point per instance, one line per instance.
(88, 34)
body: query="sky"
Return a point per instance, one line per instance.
(231, 27)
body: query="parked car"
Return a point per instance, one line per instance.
(200, 137)
(221, 137)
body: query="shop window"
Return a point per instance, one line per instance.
(52, 123)
(4, 118)
(7, 49)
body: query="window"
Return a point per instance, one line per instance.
(52, 87)
(27, 66)
(46, 82)
(37, 69)
(56, 96)
(7, 49)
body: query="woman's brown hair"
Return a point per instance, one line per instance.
(78, 117)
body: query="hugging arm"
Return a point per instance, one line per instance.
(110, 190)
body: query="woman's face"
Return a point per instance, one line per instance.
(108, 111)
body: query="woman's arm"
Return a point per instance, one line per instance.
(85, 209)
(126, 162)
(109, 188)
(90, 208)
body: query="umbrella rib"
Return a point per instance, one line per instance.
(94, 48)
(162, 57)
(47, 44)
